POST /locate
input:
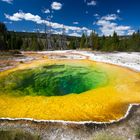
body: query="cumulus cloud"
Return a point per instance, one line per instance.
(8, 1)
(118, 11)
(15, 17)
(96, 15)
(107, 25)
(26, 16)
(10, 22)
(110, 17)
(92, 3)
(130, 32)
(75, 34)
(19, 16)
(75, 22)
(56, 6)
(46, 11)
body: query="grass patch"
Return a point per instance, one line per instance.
(137, 132)
(106, 136)
(17, 135)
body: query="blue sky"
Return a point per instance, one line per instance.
(75, 16)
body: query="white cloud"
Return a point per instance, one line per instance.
(75, 34)
(46, 11)
(92, 3)
(49, 17)
(26, 16)
(96, 15)
(56, 6)
(8, 1)
(15, 17)
(110, 17)
(10, 22)
(57, 32)
(75, 22)
(118, 11)
(130, 32)
(94, 23)
(107, 26)
(19, 16)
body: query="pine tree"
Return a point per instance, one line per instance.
(3, 28)
(3, 35)
(34, 44)
(83, 41)
(25, 45)
(73, 44)
(94, 41)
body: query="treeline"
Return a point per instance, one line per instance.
(39, 42)
(108, 43)
(30, 41)
(9, 41)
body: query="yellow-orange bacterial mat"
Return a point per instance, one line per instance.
(70, 90)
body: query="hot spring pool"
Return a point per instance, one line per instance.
(71, 90)
(53, 80)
